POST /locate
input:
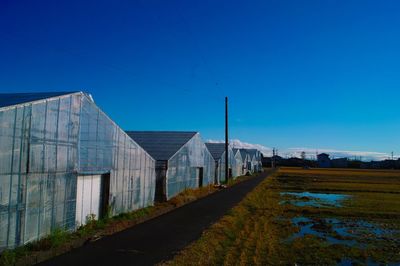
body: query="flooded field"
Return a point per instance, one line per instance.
(308, 217)
(302, 199)
(354, 211)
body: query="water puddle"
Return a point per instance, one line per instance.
(342, 232)
(309, 199)
(327, 229)
(347, 232)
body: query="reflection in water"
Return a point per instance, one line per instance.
(303, 199)
(343, 232)
(329, 229)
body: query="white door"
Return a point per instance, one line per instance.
(87, 198)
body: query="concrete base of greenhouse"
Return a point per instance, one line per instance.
(30, 257)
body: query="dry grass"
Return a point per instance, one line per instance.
(243, 236)
(375, 192)
(342, 172)
(190, 194)
(255, 232)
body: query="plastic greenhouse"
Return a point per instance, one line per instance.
(240, 169)
(62, 160)
(217, 150)
(246, 159)
(183, 160)
(255, 159)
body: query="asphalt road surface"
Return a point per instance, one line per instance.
(161, 238)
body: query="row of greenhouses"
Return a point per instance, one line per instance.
(63, 160)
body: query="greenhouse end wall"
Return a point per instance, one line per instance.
(44, 147)
(183, 167)
(104, 147)
(231, 164)
(238, 170)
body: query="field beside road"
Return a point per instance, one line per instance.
(308, 217)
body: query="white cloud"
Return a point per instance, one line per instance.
(236, 143)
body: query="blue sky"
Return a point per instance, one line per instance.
(299, 74)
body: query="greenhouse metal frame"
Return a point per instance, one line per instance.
(183, 161)
(217, 150)
(63, 160)
(240, 169)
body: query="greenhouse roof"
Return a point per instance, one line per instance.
(216, 149)
(161, 145)
(236, 150)
(9, 99)
(243, 152)
(252, 152)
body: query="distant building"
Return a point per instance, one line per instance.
(387, 164)
(267, 161)
(323, 160)
(340, 163)
(294, 161)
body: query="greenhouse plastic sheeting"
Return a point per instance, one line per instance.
(104, 147)
(238, 170)
(183, 167)
(44, 146)
(231, 164)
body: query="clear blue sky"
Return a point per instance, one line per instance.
(318, 74)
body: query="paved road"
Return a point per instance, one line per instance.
(160, 238)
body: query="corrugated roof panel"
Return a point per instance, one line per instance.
(161, 145)
(9, 99)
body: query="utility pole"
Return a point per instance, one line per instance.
(273, 164)
(226, 141)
